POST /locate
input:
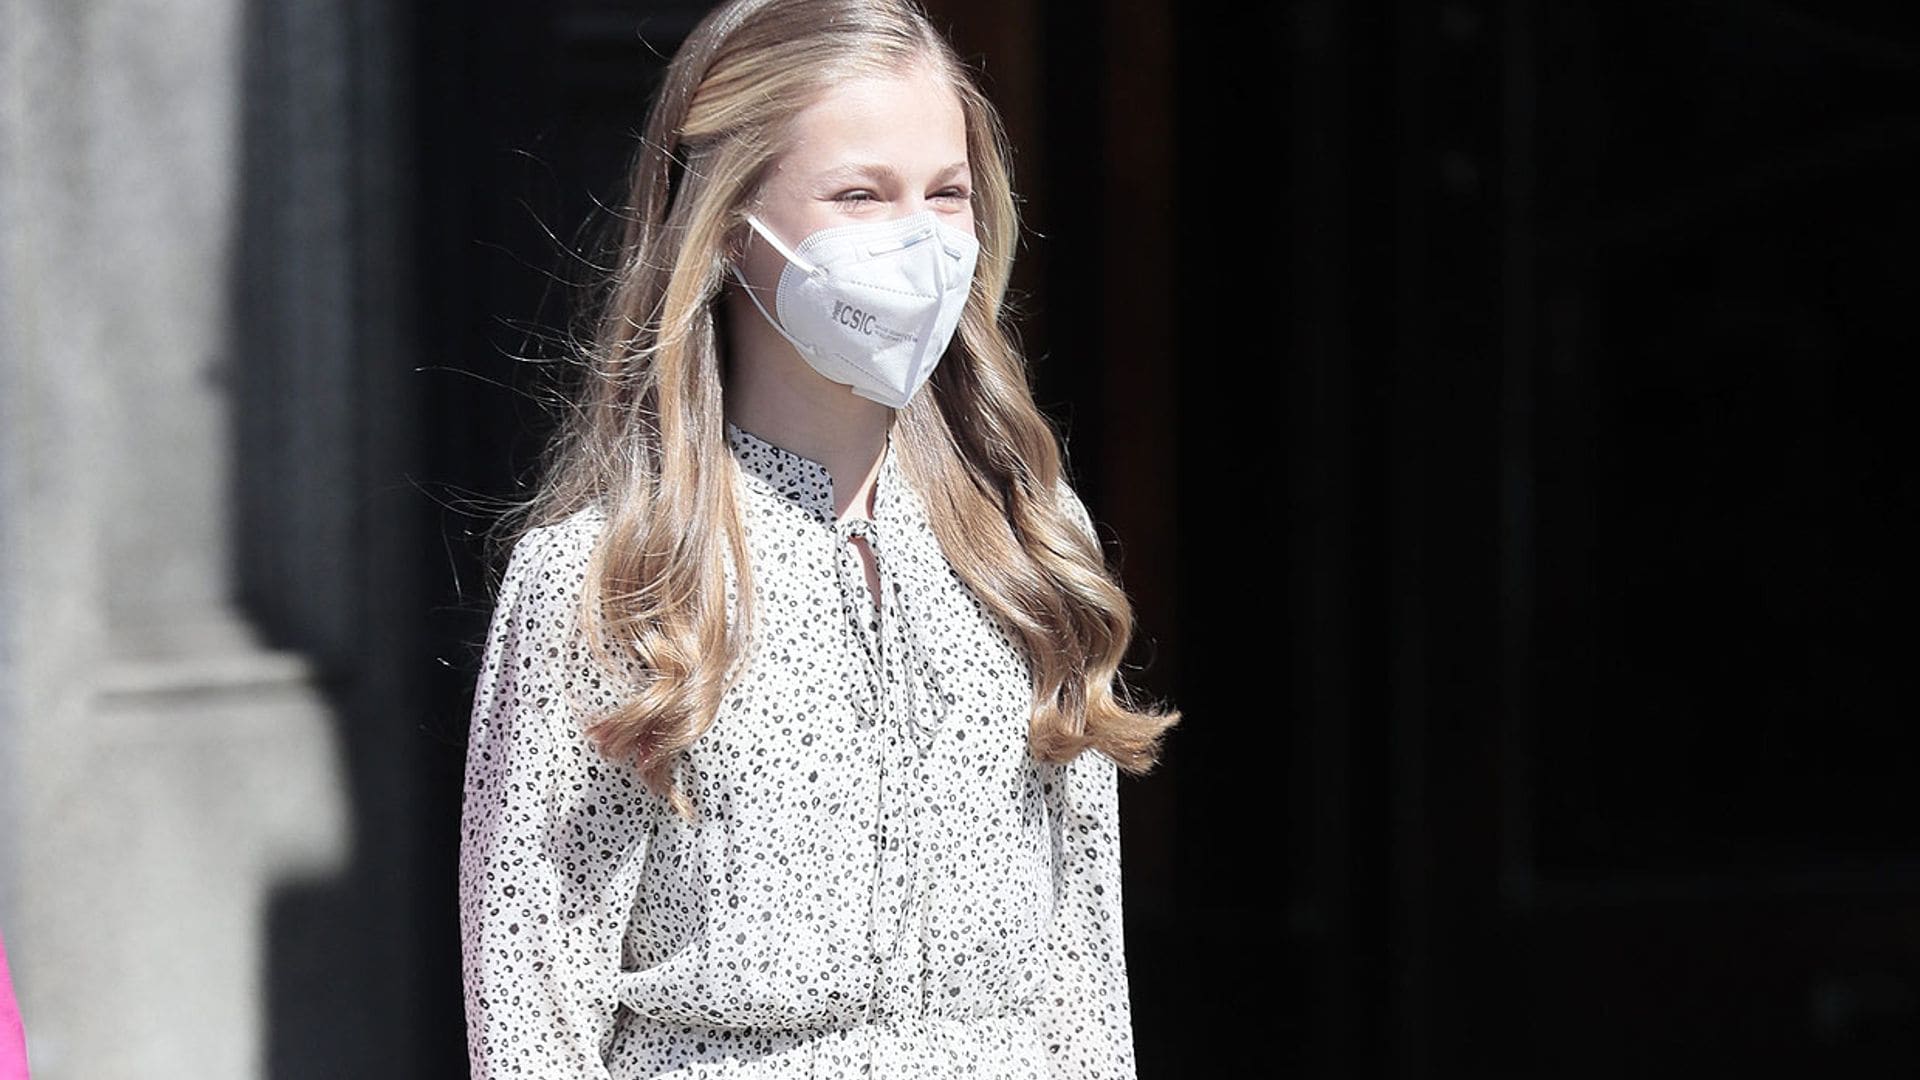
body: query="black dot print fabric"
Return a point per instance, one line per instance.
(880, 881)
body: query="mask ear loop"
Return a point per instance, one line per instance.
(790, 256)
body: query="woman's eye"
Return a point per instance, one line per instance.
(854, 196)
(954, 193)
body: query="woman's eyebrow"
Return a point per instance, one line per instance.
(886, 173)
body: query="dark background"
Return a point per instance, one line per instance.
(1494, 409)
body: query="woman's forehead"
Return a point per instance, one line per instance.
(912, 121)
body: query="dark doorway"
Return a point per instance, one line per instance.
(1496, 411)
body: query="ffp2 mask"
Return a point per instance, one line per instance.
(872, 305)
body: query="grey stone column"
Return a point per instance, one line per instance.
(160, 770)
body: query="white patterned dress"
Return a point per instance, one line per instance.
(882, 881)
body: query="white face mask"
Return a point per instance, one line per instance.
(873, 305)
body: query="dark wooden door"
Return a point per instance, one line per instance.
(1601, 316)
(1713, 851)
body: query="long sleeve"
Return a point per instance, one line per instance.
(553, 838)
(1085, 1013)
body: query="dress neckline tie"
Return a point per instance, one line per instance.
(898, 645)
(903, 682)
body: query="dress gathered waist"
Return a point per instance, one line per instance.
(995, 1047)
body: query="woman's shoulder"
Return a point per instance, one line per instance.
(1069, 499)
(575, 533)
(541, 593)
(578, 530)
(553, 558)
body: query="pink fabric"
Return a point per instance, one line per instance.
(13, 1033)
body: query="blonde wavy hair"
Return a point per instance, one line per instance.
(644, 437)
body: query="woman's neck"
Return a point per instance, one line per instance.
(774, 393)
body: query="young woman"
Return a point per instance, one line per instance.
(796, 739)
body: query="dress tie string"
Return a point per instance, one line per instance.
(914, 698)
(922, 705)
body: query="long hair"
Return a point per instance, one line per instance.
(645, 438)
